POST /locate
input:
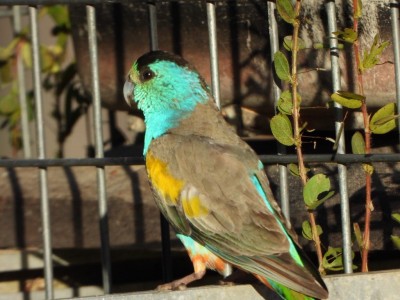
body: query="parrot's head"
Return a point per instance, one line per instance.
(166, 88)
(159, 82)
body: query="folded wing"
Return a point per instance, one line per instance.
(222, 199)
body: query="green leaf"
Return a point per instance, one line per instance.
(333, 259)
(26, 52)
(282, 66)
(307, 231)
(358, 235)
(51, 56)
(358, 11)
(285, 104)
(396, 241)
(294, 169)
(384, 120)
(15, 117)
(286, 11)
(5, 72)
(9, 103)
(368, 168)
(316, 191)
(288, 43)
(325, 45)
(396, 217)
(348, 35)
(59, 13)
(7, 52)
(348, 99)
(46, 59)
(358, 147)
(371, 57)
(319, 46)
(357, 143)
(282, 129)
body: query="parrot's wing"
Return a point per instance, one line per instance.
(219, 195)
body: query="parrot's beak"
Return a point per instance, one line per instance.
(128, 91)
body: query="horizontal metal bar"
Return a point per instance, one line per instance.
(330, 158)
(6, 13)
(52, 2)
(70, 162)
(82, 2)
(267, 159)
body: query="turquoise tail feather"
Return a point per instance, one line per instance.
(287, 293)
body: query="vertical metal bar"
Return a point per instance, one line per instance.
(283, 173)
(342, 170)
(26, 136)
(212, 39)
(165, 233)
(44, 198)
(99, 151)
(153, 25)
(394, 9)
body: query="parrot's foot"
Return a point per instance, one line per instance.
(180, 284)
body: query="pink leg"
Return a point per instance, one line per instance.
(182, 282)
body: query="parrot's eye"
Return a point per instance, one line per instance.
(147, 75)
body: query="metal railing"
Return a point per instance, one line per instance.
(42, 162)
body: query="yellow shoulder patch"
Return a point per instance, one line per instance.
(193, 207)
(168, 186)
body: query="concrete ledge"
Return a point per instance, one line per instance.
(369, 286)
(236, 292)
(373, 286)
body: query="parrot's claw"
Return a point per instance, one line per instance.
(180, 284)
(171, 286)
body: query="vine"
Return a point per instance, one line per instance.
(383, 121)
(288, 129)
(316, 189)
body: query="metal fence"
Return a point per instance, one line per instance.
(42, 163)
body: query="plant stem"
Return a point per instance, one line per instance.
(297, 133)
(367, 137)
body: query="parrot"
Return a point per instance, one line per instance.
(210, 185)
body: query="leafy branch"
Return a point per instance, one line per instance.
(317, 189)
(381, 122)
